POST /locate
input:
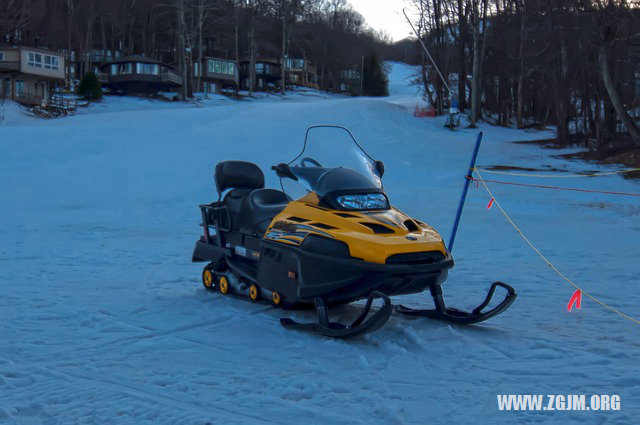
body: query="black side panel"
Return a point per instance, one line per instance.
(208, 252)
(278, 269)
(303, 273)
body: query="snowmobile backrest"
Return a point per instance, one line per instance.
(238, 175)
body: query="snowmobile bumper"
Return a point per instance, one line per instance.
(302, 276)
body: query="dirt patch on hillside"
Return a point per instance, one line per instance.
(620, 153)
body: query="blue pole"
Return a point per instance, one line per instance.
(465, 190)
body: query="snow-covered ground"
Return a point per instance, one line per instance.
(103, 318)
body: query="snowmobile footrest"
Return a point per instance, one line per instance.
(453, 315)
(359, 326)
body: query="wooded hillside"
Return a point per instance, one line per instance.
(570, 63)
(327, 33)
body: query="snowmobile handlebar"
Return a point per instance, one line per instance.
(283, 171)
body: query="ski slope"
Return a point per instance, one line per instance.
(103, 318)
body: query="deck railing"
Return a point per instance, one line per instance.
(171, 77)
(9, 65)
(28, 98)
(103, 77)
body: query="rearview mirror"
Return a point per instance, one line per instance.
(380, 168)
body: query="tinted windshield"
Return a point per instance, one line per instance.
(327, 148)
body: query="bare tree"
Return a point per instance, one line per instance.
(478, 56)
(610, 25)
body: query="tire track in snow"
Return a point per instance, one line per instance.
(153, 399)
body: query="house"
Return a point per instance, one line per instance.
(217, 74)
(138, 75)
(92, 60)
(300, 72)
(268, 72)
(349, 82)
(30, 75)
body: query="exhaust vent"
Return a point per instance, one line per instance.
(378, 228)
(411, 226)
(346, 215)
(297, 219)
(323, 226)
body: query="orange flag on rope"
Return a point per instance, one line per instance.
(576, 299)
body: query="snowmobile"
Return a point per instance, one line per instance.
(339, 241)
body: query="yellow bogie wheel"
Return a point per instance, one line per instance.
(223, 284)
(276, 298)
(207, 278)
(254, 293)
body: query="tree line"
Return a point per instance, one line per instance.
(328, 33)
(574, 64)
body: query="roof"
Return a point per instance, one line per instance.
(137, 58)
(32, 49)
(261, 60)
(216, 58)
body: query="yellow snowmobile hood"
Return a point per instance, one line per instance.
(372, 236)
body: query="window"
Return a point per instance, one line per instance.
(147, 68)
(50, 62)
(19, 87)
(221, 67)
(1, 56)
(113, 69)
(350, 74)
(295, 63)
(34, 59)
(126, 68)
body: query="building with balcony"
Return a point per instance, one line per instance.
(92, 60)
(300, 72)
(138, 75)
(349, 82)
(268, 73)
(217, 74)
(30, 75)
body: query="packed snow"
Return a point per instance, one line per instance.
(103, 318)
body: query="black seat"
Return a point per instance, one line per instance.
(251, 207)
(259, 208)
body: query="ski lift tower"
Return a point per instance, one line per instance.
(453, 119)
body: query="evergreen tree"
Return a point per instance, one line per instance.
(375, 81)
(90, 87)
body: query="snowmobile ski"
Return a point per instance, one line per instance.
(361, 325)
(453, 315)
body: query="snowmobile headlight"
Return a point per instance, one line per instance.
(363, 201)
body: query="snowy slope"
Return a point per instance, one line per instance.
(103, 318)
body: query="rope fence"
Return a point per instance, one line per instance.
(558, 176)
(542, 186)
(495, 202)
